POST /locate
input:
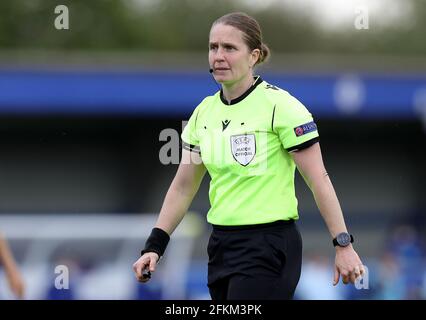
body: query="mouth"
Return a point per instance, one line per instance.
(221, 69)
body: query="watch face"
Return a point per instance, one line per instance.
(343, 239)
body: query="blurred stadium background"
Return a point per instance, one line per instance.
(81, 112)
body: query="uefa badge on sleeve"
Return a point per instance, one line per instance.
(243, 147)
(305, 128)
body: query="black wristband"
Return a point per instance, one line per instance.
(156, 242)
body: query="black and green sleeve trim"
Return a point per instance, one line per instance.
(191, 147)
(303, 145)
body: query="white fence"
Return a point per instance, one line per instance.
(98, 250)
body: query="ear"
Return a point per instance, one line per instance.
(254, 57)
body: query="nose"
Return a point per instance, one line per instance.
(218, 55)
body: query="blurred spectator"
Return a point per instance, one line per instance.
(148, 293)
(316, 281)
(407, 248)
(391, 282)
(65, 280)
(13, 275)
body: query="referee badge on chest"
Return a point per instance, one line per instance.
(243, 148)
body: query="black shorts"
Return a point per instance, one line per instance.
(254, 262)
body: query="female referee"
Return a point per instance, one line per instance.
(250, 136)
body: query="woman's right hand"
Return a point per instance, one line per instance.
(147, 262)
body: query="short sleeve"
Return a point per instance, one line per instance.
(294, 124)
(189, 135)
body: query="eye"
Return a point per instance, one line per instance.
(213, 47)
(229, 48)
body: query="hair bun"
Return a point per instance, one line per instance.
(264, 53)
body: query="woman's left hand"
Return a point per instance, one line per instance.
(348, 265)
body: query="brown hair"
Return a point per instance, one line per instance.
(251, 30)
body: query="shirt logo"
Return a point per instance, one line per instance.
(243, 148)
(225, 124)
(305, 128)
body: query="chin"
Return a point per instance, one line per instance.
(223, 80)
(219, 77)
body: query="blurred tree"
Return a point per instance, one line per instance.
(183, 25)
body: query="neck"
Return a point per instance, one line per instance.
(234, 90)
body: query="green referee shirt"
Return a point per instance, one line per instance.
(245, 146)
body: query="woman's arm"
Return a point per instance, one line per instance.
(181, 191)
(176, 203)
(12, 273)
(310, 165)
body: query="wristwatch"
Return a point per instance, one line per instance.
(343, 239)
